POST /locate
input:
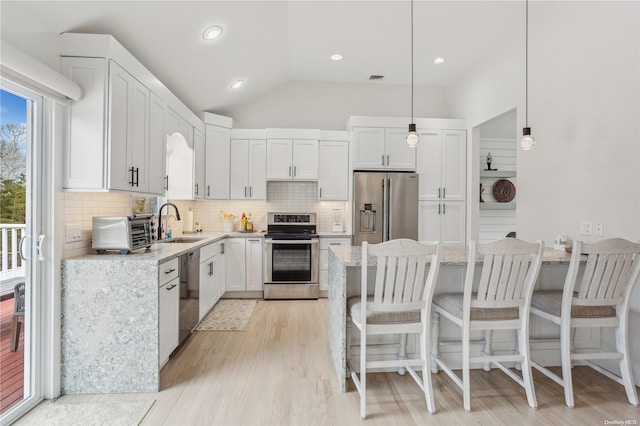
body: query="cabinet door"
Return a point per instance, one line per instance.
(199, 189)
(257, 169)
(254, 264)
(399, 156)
(138, 128)
(207, 287)
(239, 173)
(179, 157)
(234, 254)
(333, 173)
(157, 146)
(454, 164)
(279, 159)
(368, 148)
(217, 163)
(87, 130)
(429, 220)
(121, 174)
(305, 159)
(429, 165)
(168, 319)
(453, 224)
(218, 274)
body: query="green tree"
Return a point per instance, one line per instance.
(13, 188)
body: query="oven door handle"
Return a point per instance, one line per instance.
(272, 241)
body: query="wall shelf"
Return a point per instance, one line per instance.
(497, 173)
(498, 206)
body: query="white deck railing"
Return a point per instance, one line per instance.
(11, 266)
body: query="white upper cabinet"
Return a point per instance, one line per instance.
(442, 164)
(217, 163)
(157, 146)
(292, 159)
(109, 148)
(248, 174)
(377, 148)
(180, 157)
(199, 156)
(333, 173)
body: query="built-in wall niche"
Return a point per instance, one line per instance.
(498, 154)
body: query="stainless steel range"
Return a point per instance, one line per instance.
(291, 256)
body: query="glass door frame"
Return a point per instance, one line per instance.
(34, 249)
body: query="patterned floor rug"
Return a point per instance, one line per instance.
(228, 315)
(87, 413)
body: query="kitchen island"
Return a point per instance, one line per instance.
(344, 282)
(110, 317)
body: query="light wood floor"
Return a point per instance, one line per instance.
(279, 372)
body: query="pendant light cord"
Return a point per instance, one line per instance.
(526, 65)
(412, 61)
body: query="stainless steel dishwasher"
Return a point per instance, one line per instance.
(189, 293)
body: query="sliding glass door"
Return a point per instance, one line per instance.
(21, 285)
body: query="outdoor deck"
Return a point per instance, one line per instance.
(11, 363)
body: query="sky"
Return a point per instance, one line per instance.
(13, 109)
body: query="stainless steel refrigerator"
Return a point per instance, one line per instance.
(385, 206)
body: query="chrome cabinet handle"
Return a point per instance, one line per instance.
(439, 208)
(383, 159)
(444, 208)
(170, 271)
(439, 192)
(289, 170)
(320, 192)
(387, 159)
(166, 185)
(444, 192)
(132, 182)
(245, 192)
(250, 191)
(295, 171)
(208, 191)
(196, 189)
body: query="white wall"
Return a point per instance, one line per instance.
(327, 106)
(584, 109)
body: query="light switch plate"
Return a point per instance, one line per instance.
(585, 228)
(598, 229)
(73, 232)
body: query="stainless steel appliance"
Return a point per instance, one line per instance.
(291, 256)
(123, 233)
(385, 206)
(189, 293)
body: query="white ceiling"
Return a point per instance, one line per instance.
(271, 42)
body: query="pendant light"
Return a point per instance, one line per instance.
(527, 141)
(412, 137)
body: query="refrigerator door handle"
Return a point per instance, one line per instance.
(385, 209)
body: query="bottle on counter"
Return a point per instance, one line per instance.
(243, 223)
(249, 223)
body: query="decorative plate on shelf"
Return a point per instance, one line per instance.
(504, 190)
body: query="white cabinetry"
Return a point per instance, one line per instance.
(333, 169)
(217, 166)
(108, 146)
(442, 221)
(248, 171)
(180, 167)
(292, 159)
(211, 276)
(377, 148)
(243, 263)
(442, 164)
(168, 309)
(325, 243)
(157, 146)
(199, 156)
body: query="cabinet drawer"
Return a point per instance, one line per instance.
(168, 271)
(209, 251)
(326, 242)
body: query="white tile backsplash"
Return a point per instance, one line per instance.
(288, 197)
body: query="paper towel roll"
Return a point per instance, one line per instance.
(187, 223)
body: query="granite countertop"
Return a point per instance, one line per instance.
(160, 252)
(455, 256)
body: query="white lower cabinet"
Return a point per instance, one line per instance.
(442, 221)
(243, 263)
(325, 243)
(168, 309)
(211, 276)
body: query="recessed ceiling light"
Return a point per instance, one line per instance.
(336, 57)
(237, 84)
(438, 61)
(212, 33)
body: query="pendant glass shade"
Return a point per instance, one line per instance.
(527, 141)
(412, 138)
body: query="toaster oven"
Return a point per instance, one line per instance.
(123, 234)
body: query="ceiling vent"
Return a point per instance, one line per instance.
(376, 77)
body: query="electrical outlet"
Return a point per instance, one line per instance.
(598, 229)
(73, 233)
(585, 228)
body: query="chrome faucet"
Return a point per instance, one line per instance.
(168, 203)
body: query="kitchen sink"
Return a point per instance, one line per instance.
(177, 240)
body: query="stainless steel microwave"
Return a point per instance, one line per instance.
(123, 234)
